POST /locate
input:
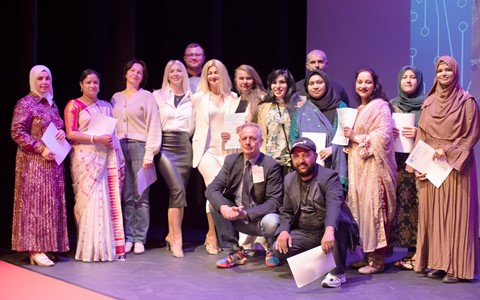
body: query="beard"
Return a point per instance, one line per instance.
(307, 172)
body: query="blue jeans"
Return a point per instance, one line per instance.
(136, 208)
(227, 230)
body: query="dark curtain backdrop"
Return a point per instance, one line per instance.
(70, 36)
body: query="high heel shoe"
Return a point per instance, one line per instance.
(40, 259)
(211, 245)
(176, 250)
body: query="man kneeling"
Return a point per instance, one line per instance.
(314, 212)
(245, 196)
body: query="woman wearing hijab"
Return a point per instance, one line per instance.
(329, 101)
(447, 241)
(309, 118)
(404, 226)
(39, 211)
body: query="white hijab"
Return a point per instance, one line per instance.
(33, 77)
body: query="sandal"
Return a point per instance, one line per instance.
(399, 263)
(369, 269)
(359, 264)
(211, 245)
(408, 263)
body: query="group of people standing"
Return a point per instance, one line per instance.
(363, 194)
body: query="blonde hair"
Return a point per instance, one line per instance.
(257, 92)
(166, 84)
(225, 84)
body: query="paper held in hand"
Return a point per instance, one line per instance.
(101, 124)
(231, 123)
(400, 143)
(61, 148)
(320, 140)
(421, 159)
(346, 118)
(310, 265)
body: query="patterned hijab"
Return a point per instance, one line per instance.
(33, 77)
(446, 100)
(329, 102)
(413, 102)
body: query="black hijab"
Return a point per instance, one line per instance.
(330, 101)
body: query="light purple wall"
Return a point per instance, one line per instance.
(354, 33)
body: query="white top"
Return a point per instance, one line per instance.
(173, 118)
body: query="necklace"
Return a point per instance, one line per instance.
(177, 99)
(87, 101)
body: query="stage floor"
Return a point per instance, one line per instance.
(156, 274)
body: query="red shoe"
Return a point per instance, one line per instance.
(233, 259)
(271, 260)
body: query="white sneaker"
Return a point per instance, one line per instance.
(334, 281)
(128, 247)
(139, 248)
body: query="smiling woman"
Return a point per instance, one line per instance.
(450, 123)
(137, 127)
(274, 116)
(371, 170)
(97, 169)
(39, 212)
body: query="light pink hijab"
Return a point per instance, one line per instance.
(33, 76)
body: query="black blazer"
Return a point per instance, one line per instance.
(267, 195)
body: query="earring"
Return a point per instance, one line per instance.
(81, 90)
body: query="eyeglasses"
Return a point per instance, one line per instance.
(193, 55)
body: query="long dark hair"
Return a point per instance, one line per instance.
(291, 96)
(378, 91)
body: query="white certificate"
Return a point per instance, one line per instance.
(320, 140)
(346, 118)
(421, 159)
(310, 265)
(60, 148)
(400, 143)
(145, 177)
(231, 124)
(101, 124)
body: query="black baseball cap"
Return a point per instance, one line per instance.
(304, 143)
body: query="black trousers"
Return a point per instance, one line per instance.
(303, 240)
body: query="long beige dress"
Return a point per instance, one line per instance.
(448, 216)
(372, 174)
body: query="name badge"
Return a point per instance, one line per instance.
(257, 174)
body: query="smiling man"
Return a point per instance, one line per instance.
(245, 196)
(194, 58)
(314, 212)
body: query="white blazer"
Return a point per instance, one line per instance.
(201, 102)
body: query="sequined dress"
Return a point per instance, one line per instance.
(39, 212)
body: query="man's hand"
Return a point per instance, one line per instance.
(242, 214)
(284, 241)
(328, 239)
(230, 212)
